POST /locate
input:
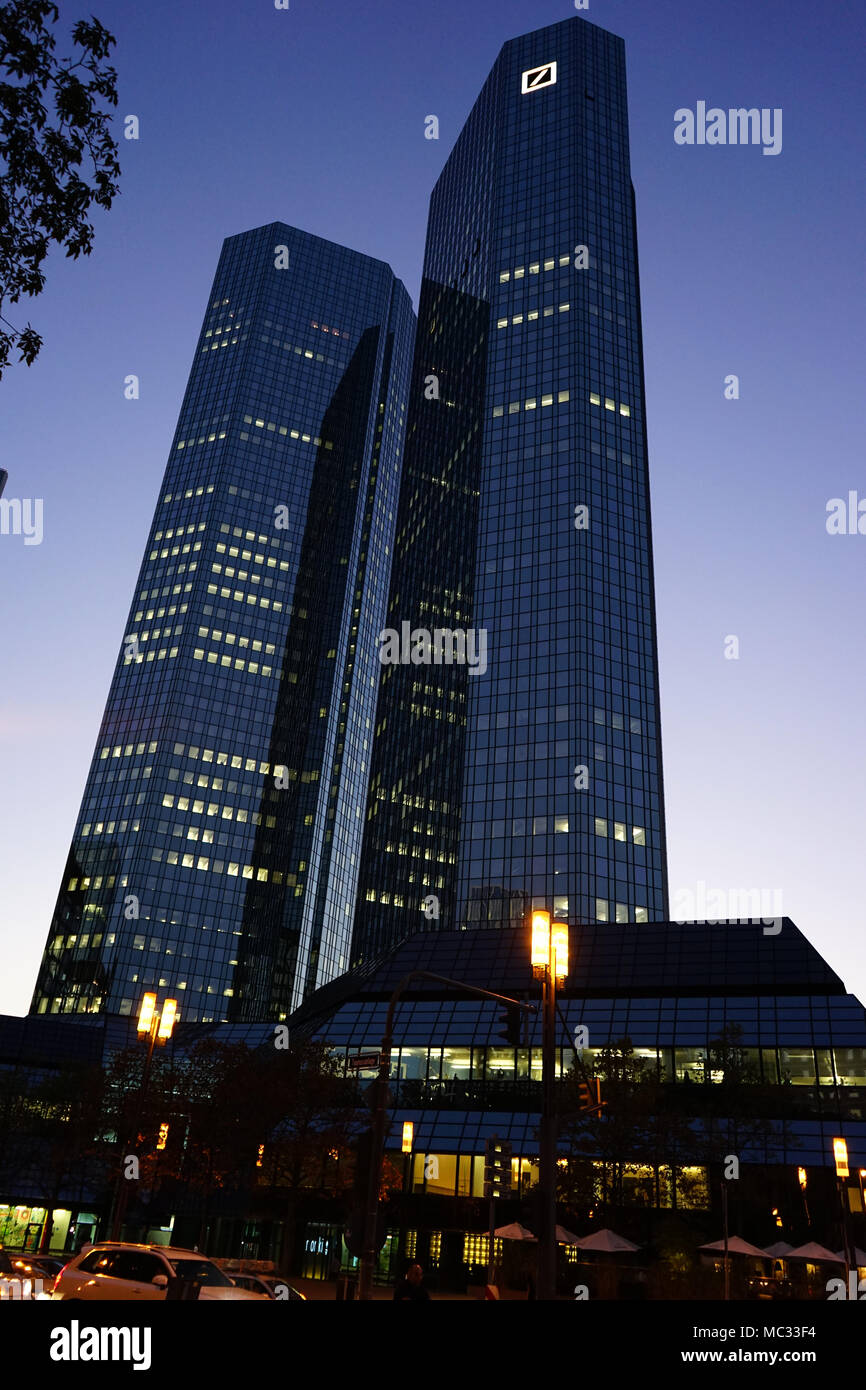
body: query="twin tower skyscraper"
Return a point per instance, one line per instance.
(279, 790)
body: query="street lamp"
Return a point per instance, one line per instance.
(802, 1179)
(406, 1147)
(840, 1156)
(549, 958)
(157, 1026)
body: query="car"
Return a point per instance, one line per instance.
(118, 1270)
(52, 1264)
(273, 1286)
(22, 1276)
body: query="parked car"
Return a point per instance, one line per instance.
(273, 1286)
(49, 1265)
(22, 1276)
(121, 1271)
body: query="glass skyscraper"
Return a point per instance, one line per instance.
(217, 848)
(525, 516)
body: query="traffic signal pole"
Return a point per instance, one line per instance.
(368, 1254)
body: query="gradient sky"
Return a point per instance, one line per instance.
(750, 264)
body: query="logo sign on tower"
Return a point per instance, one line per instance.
(533, 78)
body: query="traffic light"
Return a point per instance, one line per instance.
(589, 1094)
(509, 1025)
(497, 1168)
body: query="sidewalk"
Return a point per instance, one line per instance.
(326, 1289)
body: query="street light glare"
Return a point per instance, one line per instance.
(559, 948)
(540, 939)
(146, 1013)
(167, 1017)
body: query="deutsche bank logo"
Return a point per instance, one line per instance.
(533, 78)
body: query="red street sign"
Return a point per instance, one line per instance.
(369, 1059)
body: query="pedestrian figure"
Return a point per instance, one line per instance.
(411, 1289)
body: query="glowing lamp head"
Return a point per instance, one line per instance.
(840, 1154)
(801, 1177)
(146, 1013)
(559, 946)
(166, 1019)
(540, 940)
(408, 1136)
(163, 1136)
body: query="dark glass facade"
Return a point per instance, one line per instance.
(216, 852)
(525, 513)
(669, 987)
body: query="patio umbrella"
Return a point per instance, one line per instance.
(565, 1237)
(514, 1232)
(779, 1250)
(819, 1254)
(859, 1256)
(607, 1241)
(736, 1246)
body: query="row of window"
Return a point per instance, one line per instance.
(462, 1175)
(534, 269)
(274, 428)
(795, 1065)
(620, 831)
(201, 439)
(532, 402)
(218, 866)
(190, 492)
(532, 315)
(252, 668)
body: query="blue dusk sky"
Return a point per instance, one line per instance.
(750, 264)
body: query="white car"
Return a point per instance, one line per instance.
(271, 1285)
(119, 1271)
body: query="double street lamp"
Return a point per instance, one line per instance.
(156, 1026)
(549, 958)
(550, 966)
(840, 1157)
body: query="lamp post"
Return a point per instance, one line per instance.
(550, 966)
(407, 1146)
(156, 1026)
(840, 1156)
(802, 1179)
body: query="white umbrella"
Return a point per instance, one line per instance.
(859, 1256)
(514, 1232)
(736, 1246)
(607, 1241)
(779, 1250)
(565, 1237)
(819, 1254)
